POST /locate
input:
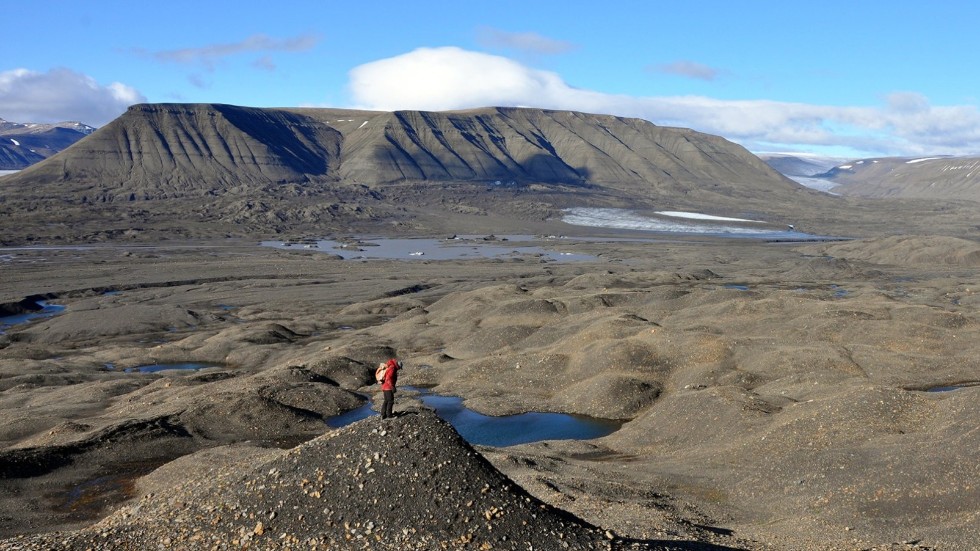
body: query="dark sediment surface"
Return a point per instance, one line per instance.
(773, 397)
(406, 483)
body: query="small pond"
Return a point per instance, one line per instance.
(736, 287)
(950, 388)
(47, 310)
(487, 430)
(156, 368)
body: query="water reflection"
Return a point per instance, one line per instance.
(487, 430)
(182, 366)
(47, 310)
(950, 388)
(507, 246)
(351, 416)
(511, 430)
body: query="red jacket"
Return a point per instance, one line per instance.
(391, 376)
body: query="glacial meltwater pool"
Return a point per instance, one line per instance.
(47, 310)
(156, 368)
(950, 388)
(487, 430)
(419, 248)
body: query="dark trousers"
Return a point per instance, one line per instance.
(388, 404)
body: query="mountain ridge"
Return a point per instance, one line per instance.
(296, 145)
(174, 170)
(937, 177)
(319, 169)
(940, 177)
(24, 144)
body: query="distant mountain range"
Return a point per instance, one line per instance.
(26, 144)
(184, 149)
(201, 170)
(951, 178)
(941, 177)
(800, 165)
(278, 170)
(23, 144)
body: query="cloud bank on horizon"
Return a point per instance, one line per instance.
(62, 95)
(450, 78)
(453, 78)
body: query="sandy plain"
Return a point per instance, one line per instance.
(775, 395)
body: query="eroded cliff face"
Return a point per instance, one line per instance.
(165, 150)
(515, 144)
(539, 146)
(205, 170)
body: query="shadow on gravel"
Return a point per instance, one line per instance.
(670, 545)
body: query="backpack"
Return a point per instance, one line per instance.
(380, 372)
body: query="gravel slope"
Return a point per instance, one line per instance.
(406, 483)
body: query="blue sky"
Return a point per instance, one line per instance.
(847, 78)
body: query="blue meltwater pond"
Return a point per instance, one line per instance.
(47, 310)
(156, 368)
(508, 430)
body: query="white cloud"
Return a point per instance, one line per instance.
(452, 78)
(62, 95)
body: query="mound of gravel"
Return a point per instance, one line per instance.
(406, 483)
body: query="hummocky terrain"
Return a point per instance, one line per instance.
(772, 395)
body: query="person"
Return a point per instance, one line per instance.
(388, 385)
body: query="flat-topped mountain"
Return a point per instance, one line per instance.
(292, 169)
(205, 170)
(178, 149)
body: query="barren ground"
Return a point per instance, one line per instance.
(775, 396)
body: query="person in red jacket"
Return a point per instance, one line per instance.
(388, 385)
